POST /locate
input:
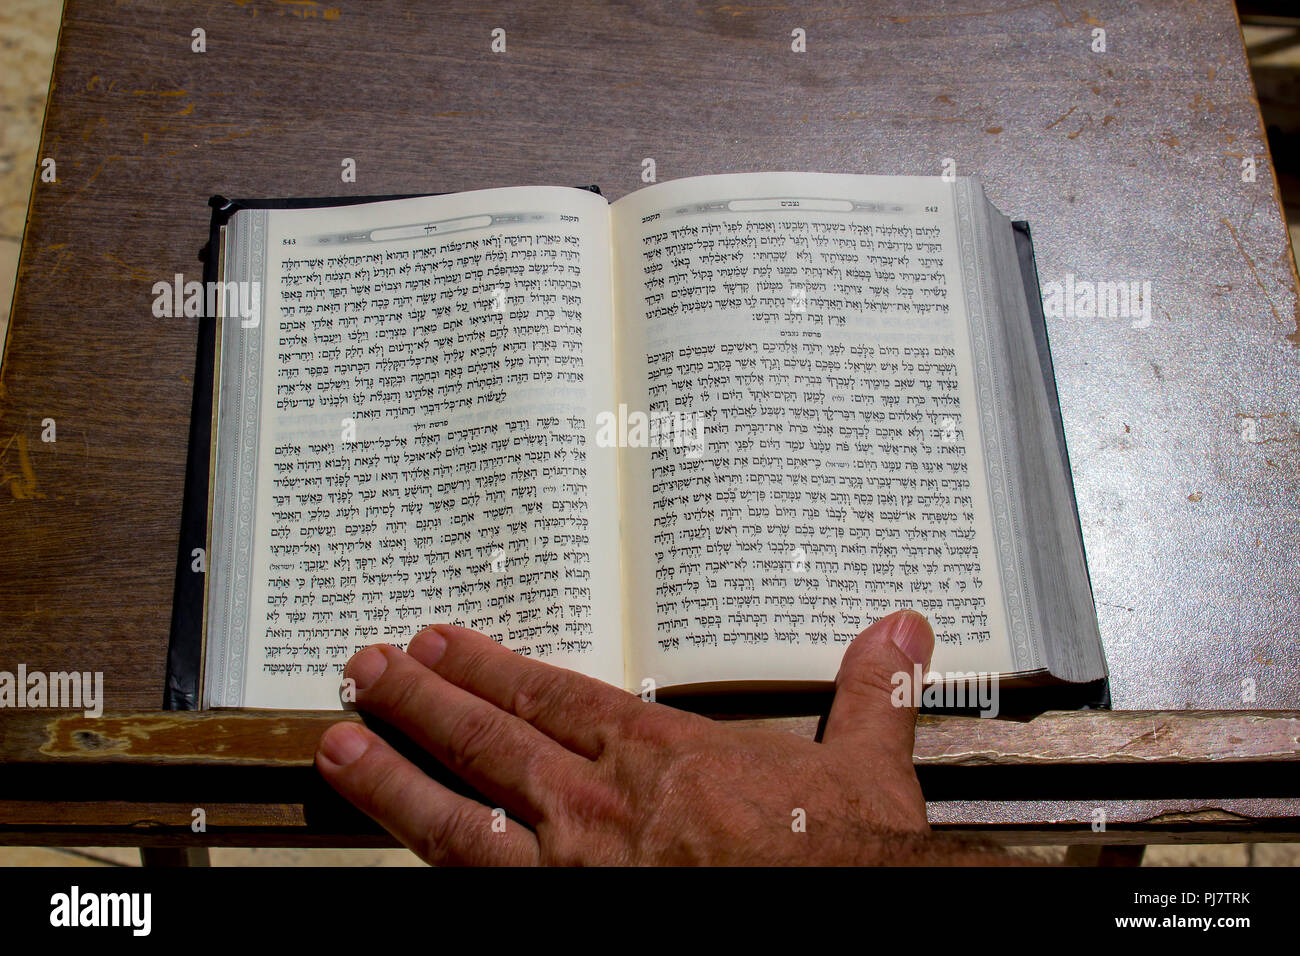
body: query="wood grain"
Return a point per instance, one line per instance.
(143, 131)
(1157, 777)
(261, 738)
(1126, 165)
(287, 738)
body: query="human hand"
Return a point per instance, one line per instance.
(591, 774)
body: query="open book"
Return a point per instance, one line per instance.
(694, 439)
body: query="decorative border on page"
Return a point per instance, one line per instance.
(1003, 494)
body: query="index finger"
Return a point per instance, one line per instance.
(579, 712)
(439, 826)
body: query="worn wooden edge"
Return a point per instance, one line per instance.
(289, 738)
(136, 779)
(1262, 135)
(285, 826)
(305, 840)
(1281, 816)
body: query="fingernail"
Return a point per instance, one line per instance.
(343, 743)
(911, 632)
(427, 647)
(366, 667)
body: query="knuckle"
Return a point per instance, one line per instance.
(399, 691)
(474, 733)
(378, 777)
(449, 837)
(592, 804)
(876, 673)
(474, 667)
(591, 819)
(536, 693)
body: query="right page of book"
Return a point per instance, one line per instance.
(799, 344)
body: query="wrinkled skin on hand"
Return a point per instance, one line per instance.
(589, 774)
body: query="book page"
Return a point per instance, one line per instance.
(799, 340)
(406, 437)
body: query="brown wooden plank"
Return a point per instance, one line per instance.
(252, 774)
(1126, 164)
(303, 838)
(153, 815)
(254, 824)
(288, 738)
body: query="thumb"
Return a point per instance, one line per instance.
(866, 714)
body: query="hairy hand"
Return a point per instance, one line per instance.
(591, 774)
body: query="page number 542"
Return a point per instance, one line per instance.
(931, 208)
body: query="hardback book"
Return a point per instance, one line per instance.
(691, 441)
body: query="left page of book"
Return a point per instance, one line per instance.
(402, 438)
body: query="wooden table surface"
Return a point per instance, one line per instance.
(1184, 435)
